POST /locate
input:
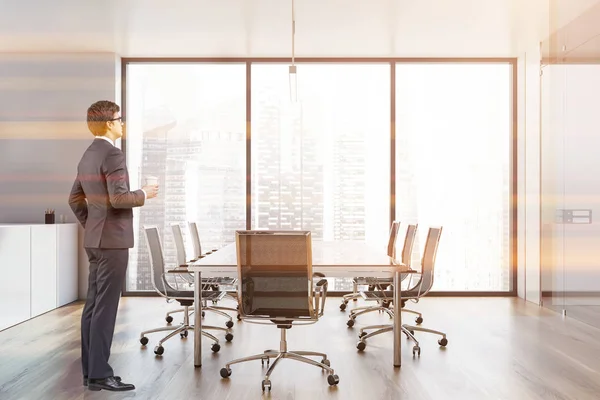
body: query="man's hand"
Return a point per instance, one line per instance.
(151, 191)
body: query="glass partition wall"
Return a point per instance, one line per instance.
(362, 143)
(570, 206)
(571, 190)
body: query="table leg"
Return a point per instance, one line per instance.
(397, 320)
(197, 319)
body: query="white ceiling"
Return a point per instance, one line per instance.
(262, 28)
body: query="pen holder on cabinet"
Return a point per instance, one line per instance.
(49, 217)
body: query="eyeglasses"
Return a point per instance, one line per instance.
(117, 119)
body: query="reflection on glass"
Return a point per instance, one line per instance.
(570, 192)
(453, 140)
(186, 124)
(322, 163)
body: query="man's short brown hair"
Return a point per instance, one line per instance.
(98, 114)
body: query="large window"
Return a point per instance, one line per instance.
(453, 152)
(186, 124)
(322, 163)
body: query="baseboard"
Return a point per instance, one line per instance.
(570, 293)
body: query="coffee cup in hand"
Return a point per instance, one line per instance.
(151, 187)
(151, 181)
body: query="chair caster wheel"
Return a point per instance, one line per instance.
(229, 337)
(342, 306)
(229, 324)
(333, 380)
(203, 314)
(225, 373)
(355, 299)
(159, 350)
(361, 345)
(416, 351)
(419, 320)
(266, 384)
(362, 335)
(350, 323)
(215, 347)
(144, 341)
(184, 334)
(326, 362)
(443, 342)
(239, 317)
(169, 319)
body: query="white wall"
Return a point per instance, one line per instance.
(530, 28)
(260, 28)
(43, 103)
(531, 170)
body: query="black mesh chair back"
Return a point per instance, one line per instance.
(275, 274)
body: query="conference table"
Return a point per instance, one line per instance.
(331, 258)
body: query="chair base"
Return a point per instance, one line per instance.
(169, 316)
(363, 336)
(183, 330)
(214, 309)
(355, 312)
(442, 342)
(301, 356)
(408, 330)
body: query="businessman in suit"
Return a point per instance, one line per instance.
(102, 202)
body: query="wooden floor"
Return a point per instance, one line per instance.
(499, 348)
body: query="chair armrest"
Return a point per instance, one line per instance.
(320, 295)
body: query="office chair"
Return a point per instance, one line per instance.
(420, 289)
(370, 281)
(276, 287)
(218, 282)
(182, 261)
(184, 297)
(380, 295)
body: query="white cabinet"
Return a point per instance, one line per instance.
(67, 284)
(38, 270)
(43, 269)
(15, 275)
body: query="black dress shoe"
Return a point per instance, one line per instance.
(85, 380)
(109, 383)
